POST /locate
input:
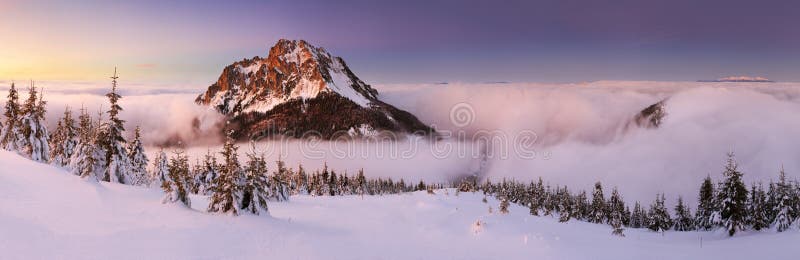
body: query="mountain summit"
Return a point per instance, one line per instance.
(300, 89)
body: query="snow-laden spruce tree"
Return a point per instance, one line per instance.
(757, 208)
(658, 216)
(173, 185)
(227, 196)
(279, 189)
(581, 208)
(707, 216)
(117, 167)
(598, 213)
(361, 180)
(504, 205)
(65, 140)
(36, 143)
(138, 160)
(783, 206)
(255, 194)
(160, 171)
(565, 205)
(638, 216)
(616, 209)
(301, 178)
(683, 217)
(206, 176)
(732, 196)
(11, 135)
(88, 158)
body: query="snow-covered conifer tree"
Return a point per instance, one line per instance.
(707, 216)
(783, 207)
(138, 160)
(117, 167)
(11, 134)
(598, 213)
(658, 216)
(160, 172)
(35, 143)
(732, 197)
(279, 189)
(757, 208)
(174, 185)
(65, 140)
(255, 194)
(207, 176)
(228, 188)
(504, 205)
(87, 158)
(638, 216)
(616, 209)
(683, 217)
(565, 205)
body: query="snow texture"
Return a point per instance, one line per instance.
(47, 213)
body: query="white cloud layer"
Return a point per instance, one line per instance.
(580, 128)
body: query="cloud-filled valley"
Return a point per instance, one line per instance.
(581, 131)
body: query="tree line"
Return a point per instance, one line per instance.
(728, 204)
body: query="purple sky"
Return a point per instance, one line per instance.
(407, 41)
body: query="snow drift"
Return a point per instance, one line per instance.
(48, 213)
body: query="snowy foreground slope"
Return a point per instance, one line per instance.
(48, 214)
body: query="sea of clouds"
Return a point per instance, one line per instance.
(568, 134)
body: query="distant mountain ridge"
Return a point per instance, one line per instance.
(300, 89)
(739, 79)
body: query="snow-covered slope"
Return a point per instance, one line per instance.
(264, 96)
(46, 213)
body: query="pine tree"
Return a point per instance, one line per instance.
(35, 143)
(658, 216)
(581, 206)
(616, 209)
(160, 172)
(757, 208)
(783, 207)
(733, 198)
(174, 186)
(278, 188)
(598, 213)
(87, 158)
(208, 175)
(361, 183)
(707, 216)
(110, 139)
(638, 216)
(65, 140)
(228, 188)
(565, 205)
(11, 135)
(504, 205)
(255, 194)
(138, 160)
(683, 217)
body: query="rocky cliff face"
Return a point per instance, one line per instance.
(651, 116)
(299, 89)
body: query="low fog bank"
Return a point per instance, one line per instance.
(581, 130)
(166, 114)
(577, 133)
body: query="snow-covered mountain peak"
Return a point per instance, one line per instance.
(299, 88)
(293, 69)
